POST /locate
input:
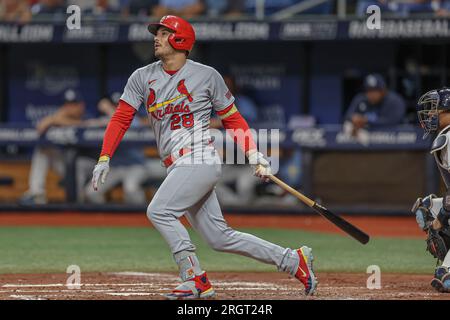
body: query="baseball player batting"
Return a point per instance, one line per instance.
(179, 95)
(433, 213)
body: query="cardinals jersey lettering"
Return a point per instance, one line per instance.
(179, 106)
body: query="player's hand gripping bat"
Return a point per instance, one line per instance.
(324, 212)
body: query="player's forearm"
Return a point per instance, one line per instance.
(45, 123)
(117, 126)
(62, 121)
(239, 130)
(102, 122)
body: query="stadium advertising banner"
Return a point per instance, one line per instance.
(39, 78)
(329, 137)
(232, 31)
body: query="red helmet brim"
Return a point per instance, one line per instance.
(153, 27)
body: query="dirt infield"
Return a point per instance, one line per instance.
(230, 286)
(403, 227)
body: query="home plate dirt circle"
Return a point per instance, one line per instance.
(230, 286)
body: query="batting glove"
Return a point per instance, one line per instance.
(100, 171)
(260, 165)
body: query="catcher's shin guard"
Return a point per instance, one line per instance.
(441, 280)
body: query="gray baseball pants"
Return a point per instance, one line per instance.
(189, 190)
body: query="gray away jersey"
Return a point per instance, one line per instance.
(179, 106)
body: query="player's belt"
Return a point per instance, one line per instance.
(169, 160)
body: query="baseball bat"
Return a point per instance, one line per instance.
(324, 212)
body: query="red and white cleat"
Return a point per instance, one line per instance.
(197, 287)
(305, 273)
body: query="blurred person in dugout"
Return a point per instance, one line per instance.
(290, 160)
(71, 113)
(131, 168)
(235, 188)
(376, 107)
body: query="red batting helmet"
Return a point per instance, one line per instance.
(183, 37)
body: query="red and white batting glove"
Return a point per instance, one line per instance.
(260, 165)
(100, 171)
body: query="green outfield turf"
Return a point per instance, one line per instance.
(47, 249)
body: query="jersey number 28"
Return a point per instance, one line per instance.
(187, 121)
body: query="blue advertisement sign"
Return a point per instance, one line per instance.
(39, 77)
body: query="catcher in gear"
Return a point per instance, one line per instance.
(433, 213)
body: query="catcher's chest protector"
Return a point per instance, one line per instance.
(441, 153)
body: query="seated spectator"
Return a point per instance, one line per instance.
(401, 7)
(375, 107)
(137, 7)
(15, 11)
(407, 7)
(274, 6)
(362, 5)
(101, 9)
(443, 8)
(183, 8)
(44, 157)
(229, 8)
(56, 9)
(131, 169)
(234, 8)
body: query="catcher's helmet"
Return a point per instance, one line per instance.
(183, 37)
(429, 106)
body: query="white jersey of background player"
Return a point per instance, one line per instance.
(433, 213)
(179, 95)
